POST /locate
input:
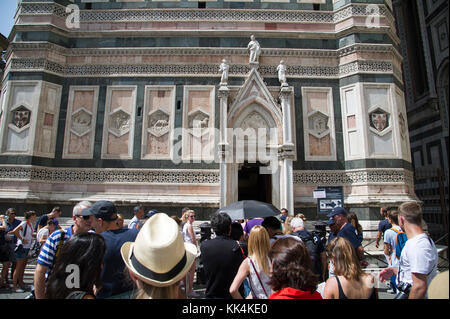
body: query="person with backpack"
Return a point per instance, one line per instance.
(419, 258)
(24, 233)
(394, 241)
(314, 245)
(82, 222)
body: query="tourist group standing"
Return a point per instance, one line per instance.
(156, 256)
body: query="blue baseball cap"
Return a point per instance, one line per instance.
(151, 213)
(330, 221)
(337, 211)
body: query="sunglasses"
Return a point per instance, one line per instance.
(191, 216)
(84, 217)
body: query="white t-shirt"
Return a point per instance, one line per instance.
(28, 235)
(418, 256)
(390, 237)
(43, 232)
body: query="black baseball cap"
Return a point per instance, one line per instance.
(105, 210)
(85, 212)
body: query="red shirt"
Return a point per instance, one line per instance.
(291, 293)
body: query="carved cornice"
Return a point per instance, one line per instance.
(196, 70)
(223, 15)
(112, 176)
(175, 176)
(354, 177)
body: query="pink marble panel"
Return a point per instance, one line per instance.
(118, 145)
(122, 98)
(83, 99)
(158, 145)
(351, 122)
(161, 99)
(48, 119)
(319, 147)
(199, 100)
(79, 145)
(317, 101)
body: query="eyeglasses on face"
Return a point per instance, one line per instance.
(192, 216)
(84, 217)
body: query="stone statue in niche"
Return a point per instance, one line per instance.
(224, 67)
(282, 73)
(255, 49)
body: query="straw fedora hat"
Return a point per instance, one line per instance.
(159, 256)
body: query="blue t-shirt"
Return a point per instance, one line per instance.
(11, 227)
(351, 234)
(384, 225)
(112, 277)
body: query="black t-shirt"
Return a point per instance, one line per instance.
(221, 258)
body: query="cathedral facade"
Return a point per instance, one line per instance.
(202, 103)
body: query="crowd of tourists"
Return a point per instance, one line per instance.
(157, 256)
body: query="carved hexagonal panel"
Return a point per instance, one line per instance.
(158, 123)
(21, 117)
(119, 122)
(318, 123)
(81, 122)
(379, 120)
(198, 119)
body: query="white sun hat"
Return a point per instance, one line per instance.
(159, 256)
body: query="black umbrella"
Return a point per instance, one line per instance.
(247, 209)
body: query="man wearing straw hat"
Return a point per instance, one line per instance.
(158, 259)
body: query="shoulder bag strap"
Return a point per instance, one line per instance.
(257, 275)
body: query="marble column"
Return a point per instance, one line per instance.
(286, 153)
(223, 146)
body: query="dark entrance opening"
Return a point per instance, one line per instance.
(252, 185)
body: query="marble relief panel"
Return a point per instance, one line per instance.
(354, 142)
(80, 122)
(118, 124)
(318, 121)
(19, 118)
(198, 122)
(379, 119)
(158, 122)
(46, 129)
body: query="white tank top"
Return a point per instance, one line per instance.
(186, 237)
(255, 285)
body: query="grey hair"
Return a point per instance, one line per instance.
(80, 206)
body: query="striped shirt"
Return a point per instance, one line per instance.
(47, 255)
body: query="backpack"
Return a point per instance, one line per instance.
(400, 242)
(311, 242)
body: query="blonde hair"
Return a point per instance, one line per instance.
(259, 246)
(185, 216)
(344, 258)
(152, 292)
(287, 229)
(301, 216)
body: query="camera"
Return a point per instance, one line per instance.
(403, 290)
